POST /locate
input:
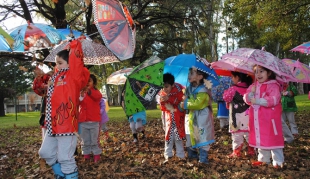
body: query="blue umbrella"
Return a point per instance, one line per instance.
(34, 36)
(4, 46)
(218, 91)
(68, 32)
(179, 67)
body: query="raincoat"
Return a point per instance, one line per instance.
(174, 117)
(89, 106)
(265, 125)
(288, 101)
(63, 94)
(200, 118)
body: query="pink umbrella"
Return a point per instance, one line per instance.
(244, 59)
(303, 48)
(119, 77)
(300, 70)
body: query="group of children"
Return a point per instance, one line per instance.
(74, 107)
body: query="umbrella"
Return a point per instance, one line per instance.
(6, 41)
(115, 26)
(179, 67)
(300, 70)
(243, 60)
(142, 85)
(218, 91)
(34, 36)
(119, 77)
(303, 48)
(69, 33)
(94, 53)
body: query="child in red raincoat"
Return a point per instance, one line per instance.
(170, 97)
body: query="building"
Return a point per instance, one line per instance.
(30, 101)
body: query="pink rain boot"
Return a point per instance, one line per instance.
(96, 158)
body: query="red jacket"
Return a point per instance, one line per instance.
(90, 106)
(64, 100)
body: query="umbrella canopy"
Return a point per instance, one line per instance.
(119, 77)
(6, 41)
(300, 70)
(94, 53)
(142, 85)
(69, 33)
(243, 60)
(303, 48)
(115, 26)
(179, 67)
(218, 91)
(34, 36)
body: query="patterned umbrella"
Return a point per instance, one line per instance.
(115, 26)
(244, 59)
(34, 36)
(303, 48)
(142, 85)
(119, 77)
(300, 70)
(94, 53)
(218, 91)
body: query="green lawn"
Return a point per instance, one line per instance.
(116, 114)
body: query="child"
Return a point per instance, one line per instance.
(104, 117)
(170, 97)
(238, 119)
(289, 108)
(62, 110)
(200, 118)
(89, 119)
(265, 129)
(39, 86)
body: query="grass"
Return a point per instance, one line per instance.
(116, 114)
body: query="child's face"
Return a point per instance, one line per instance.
(167, 88)
(261, 74)
(61, 63)
(235, 79)
(90, 83)
(193, 77)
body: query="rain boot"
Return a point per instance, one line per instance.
(251, 151)
(86, 157)
(74, 175)
(96, 158)
(57, 171)
(236, 153)
(191, 153)
(135, 137)
(203, 156)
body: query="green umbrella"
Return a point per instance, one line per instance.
(142, 85)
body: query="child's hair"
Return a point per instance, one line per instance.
(272, 74)
(204, 75)
(64, 54)
(243, 77)
(168, 78)
(94, 78)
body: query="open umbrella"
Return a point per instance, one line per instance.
(119, 77)
(34, 36)
(302, 48)
(244, 59)
(94, 53)
(4, 45)
(179, 67)
(6, 41)
(115, 26)
(142, 85)
(300, 70)
(69, 33)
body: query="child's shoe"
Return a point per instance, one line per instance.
(236, 153)
(73, 175)
(135, 137)
(191, 153)
(57, 171)
(96, 158)
(203, 156)
(251, 151)
(257, 163)
(86, 157)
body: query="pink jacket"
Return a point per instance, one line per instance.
(265, 121)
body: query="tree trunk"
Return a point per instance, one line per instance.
(2, 112)
(300, 88)
(27, 14)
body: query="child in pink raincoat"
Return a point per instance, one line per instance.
(265, 127)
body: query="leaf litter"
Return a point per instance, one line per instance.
(121, 158)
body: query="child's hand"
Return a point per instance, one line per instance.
(163, 98)
(253, 100)
(253, 89)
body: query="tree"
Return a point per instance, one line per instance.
(16, 79)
